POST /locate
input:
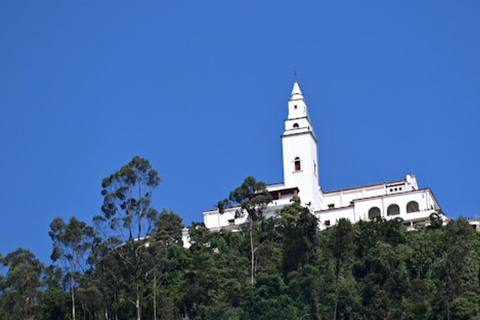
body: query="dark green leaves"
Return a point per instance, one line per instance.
(127, 199)
(253, 197)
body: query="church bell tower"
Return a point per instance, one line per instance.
(300, 162)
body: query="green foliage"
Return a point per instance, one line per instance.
(253, 198)
(21, 287)
(299, 238)
(466, 307)
(71, 243)
(127, 197)
(368, 270)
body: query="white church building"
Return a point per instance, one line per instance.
(398, 198)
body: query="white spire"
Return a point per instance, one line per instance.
(297, 106)
(296, 93)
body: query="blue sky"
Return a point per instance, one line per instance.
(200, 89)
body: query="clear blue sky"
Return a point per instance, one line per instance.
(200, 89)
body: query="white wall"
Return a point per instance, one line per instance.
(302, 146)
(359, 209)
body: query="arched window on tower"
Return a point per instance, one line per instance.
(295, 125)
(412, 206)
(297, 164)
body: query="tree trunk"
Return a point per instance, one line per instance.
(252, 254)
(154, 294)
(137, 305)
(337, 284)
(316, 311)
(72, 286)
(448, 310)
(137, 300)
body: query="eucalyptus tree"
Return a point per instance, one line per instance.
(22, 286)
(127, 198)
(72, 243)
(253, 198)
(127, 211)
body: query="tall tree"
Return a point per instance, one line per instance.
(340, 242)
(72, 243)
(168, 232)
(127, 198)
(253, 197)
(127, 210)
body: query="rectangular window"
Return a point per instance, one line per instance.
(331, 206)
(327, 222)
(231, 222)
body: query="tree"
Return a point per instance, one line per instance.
(466, 307)
(22, 285)
(268, 300)
(72, 242)
(299, 235)
(253, 197)
(436, 220)
(126, 208)
(127, 198)
(168, 232)
(340, 243)
(459, 272)
(306, 287)
(54, 302)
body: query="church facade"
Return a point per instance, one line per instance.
(398, 198)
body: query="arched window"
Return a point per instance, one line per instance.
(373, 213)
(412, 206)
(297, 164)
(295, 125)
(393, 210)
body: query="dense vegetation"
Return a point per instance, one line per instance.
(131, 264)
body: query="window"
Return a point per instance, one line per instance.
(412, 206)
(295, 125)
(297, 164)
(331, 206)
(231, 222)
(393, 210)
(327, 222)
(373, 213)
(295, 107)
